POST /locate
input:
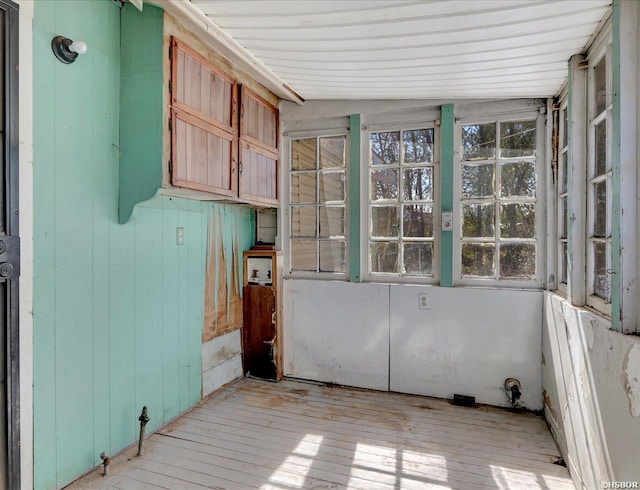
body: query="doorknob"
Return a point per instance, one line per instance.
(6, 269)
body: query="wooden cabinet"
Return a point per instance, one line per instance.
(262, 314)
(208, 134)
(192, 125)
(204, 124)
(258, 149)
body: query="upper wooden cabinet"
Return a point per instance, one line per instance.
(185, 129)
(258, 149)
(204, 124)
(208, 135)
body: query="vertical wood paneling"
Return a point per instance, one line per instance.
(73, 246)
(148, 313)
(44, 384)
(118, 309)
(122, 335)
(170, 308)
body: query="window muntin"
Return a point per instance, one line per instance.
(317, 207)
(498, 187)
(401, 199)
(599, 184)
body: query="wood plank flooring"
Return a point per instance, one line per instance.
(294, 435)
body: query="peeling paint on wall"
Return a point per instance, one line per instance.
(230, 232)
(630, 378)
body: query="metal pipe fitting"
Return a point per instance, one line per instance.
(106, 460)
(144, 418)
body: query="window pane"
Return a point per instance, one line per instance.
(384, 257)
(564, 118)
(601, 85)
(384, 221)
(418, 258)
(418, 184)
(418, 145)
(477, 180)
(477, 259)
(303, 188)
(600, 209)
(517, 261)
(384, 184)
(564, 260)
(601, 284)
(563, 172)
(562, 217)
(478, 220)
(518, 179)
(331, 186)
(417, 220)
(479, 141)
(332, 256)
(385, 148)
(303, 221)
(332, 152)
(303, 255)
(517, 139)
(600, 166)
(518, 220)
(303, 154)
(331, 221)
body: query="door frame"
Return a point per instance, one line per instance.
(12, 348)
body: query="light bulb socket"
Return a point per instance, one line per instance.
(60, 47)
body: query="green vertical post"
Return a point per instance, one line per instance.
(354, 198)
(616, 252)
(447, 124)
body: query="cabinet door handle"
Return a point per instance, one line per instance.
(240, 165)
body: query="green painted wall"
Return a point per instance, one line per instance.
(447, 128)
(140, 106)
(354, 197)
(118, 309)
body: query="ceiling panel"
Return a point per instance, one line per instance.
(354, 49)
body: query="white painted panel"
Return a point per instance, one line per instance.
(221, 361)
(467, 341)
(590, 376)
(222, 374)
(219, 349)
(338, 332)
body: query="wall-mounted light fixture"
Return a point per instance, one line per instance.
(67, 50)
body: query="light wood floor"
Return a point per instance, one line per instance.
(293, 435)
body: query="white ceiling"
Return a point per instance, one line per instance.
(426, 49)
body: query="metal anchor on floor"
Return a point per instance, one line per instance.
(144, 418)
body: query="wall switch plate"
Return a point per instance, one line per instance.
(447, 221)
(179, 235)
(423, 301)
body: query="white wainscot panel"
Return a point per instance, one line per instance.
(466, 341)
(221, 361)
(337, 332)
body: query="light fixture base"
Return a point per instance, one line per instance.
(60, 47)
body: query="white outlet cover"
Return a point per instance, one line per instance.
(423, 301)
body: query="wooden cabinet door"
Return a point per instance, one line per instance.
(204, 123)
(259, 339)
(258, 175)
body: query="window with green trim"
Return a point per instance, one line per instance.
(599, 183)
(401, 174)
(317, 206)
(498, 187)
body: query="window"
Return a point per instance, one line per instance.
(498, 200)
(401, 203)
(317, 205)
(562, 197)
(599, 184)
